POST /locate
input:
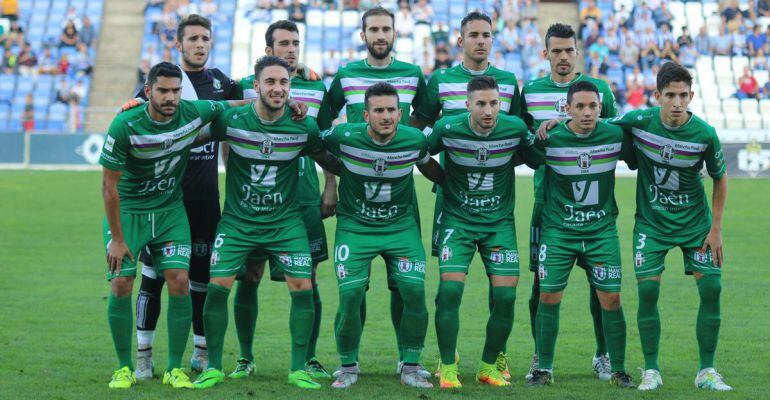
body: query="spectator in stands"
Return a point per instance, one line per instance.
(69, 36)
(756, 41)
(498, 60)
(629, 54)
(9, 61)
(647, 38)
(280, 5)
(27, 61)
(64, 64)
(529, 11)
(740, 41)
(209, 9)
(688, 56)
(151, 56)
(141, 74)
(440, 35)
(721, 45)
(662, 15)
(667, 53)
(620, 17)
(684, 39)
(81, 61)
(168, 33)
(649, 80)
(644, 23)
(591, 11)
(48, 65)
(663, 35)
(351, 57)
(442, 59)
(28, 117)
(748, 88)
(404, 21)
(637, 76)
(87, 33)
(14, 35)
(612, 40)
(760, 61)
(10, 9)
(331, 64)
(635, 97)
(72, 16)
(750, 14)
(618, 93)
(78, 92)
(649, 56)
(703, 42)
(426, 63)
(765, 90)
(297, 11)
(764, 8)
(730, 11)
(509, 37)
(423, 12)
(595, 61)
(63, 92)
(167, 55)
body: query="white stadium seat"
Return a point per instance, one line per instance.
(764, 107)
(733, 121)
(717, 120)
(731, 106)
(752, 121)
(749, 106)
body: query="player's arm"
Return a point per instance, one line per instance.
(432, 170)
(427, 110)
(336, 96)
(329, 195)
(315, 148)
(716, 168)
(534, 154)
(117, 248)
(327, 161)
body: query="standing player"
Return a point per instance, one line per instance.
(446, 93)
(348, 89)
(261, 216)
(376, 217)
(201, 199)
(545, 99)
(282, 40)
(144, 159)
(579, 214)
(671, 146)
(478, 213)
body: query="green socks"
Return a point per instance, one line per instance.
(317, 309)
(414, 321)
(447, 318)
(500, 322)
(709, 318)
(396, 314)
(596, 314)
(121, 322)
(534, 301)
(245, 310)
(347, 324)
(614, 324)
(648, 320)
(215, 323)
(547, 329)
(179, 319)
(301, 319)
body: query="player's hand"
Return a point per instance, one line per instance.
(115, 253)
(542, 130)
(131, 104)
(713, 241)
(298, 110)
(307, 73)
(328, 203)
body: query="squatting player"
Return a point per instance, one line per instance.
(579, 223)
(282, 40)
(545, 99)
(375, 216)
(671, 146)
(478, 214)
(144, 159)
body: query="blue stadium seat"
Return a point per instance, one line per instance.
(55, 126)
(14, 124)
(24, 85)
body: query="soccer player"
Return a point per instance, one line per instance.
(144, 159)
(671, 146)
(348, 89)
(375, 216)
(282, 40)
(545, 99)
(201, 199)
(478, 213)
(579, 213)
(446, 93)
(261, 216)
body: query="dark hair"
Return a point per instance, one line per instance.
(673, 72)
(192, 20)
(282, 24)
(374, 12)
(474, 16)
(582, 86)
(164, 68)
(269, 61)
(379, 89)
(482, 82)
(562, 31)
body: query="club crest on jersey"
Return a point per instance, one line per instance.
(561, 107)
(380, 165)
(667, 152)
(169, 249)
(446, 253)
(404, 265)
(217, 84)
(638, 259)
(600, 272)
(584, 161)
(702, 256)
(541, 272)
(168, 143)
(482, 154)
(214, 257)
(267, 147)
(341, 271)
(496, 256)
(285, 259)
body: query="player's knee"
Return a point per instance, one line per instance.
(710, 288)
(449, 294)
(504, 297)
(122, 286)
(152, 286)
(351, 299)
(413, 295)
(178, 282)
(649, 291)
(550, 298)
(609, 301)
(295, 284)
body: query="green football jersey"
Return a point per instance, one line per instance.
(262, 168)
(447, 92)
(376, 186)
(579, 183)
(544, 99)
(669, 188)
(350, 84)
(153, 155)
(478, 189)
(312, 93)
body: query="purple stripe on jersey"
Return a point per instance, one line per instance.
(402, 162)
(352, 157)
(607, 155)
(460, 150)
(146, 145)
(469, 151)
(557, 158)
(398, 87)
(595, 157)
(453, 93)
(288, 144)
(648, 143)
(308, 100)
(242, 140)
(539, 103)
(676, 151)
(506, 95)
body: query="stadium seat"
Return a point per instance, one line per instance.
(749, 106)
(717, 120)
(764, 107)
(752, 121)
(733, 121)
(712, 105)
(766, 121)
(731, 106)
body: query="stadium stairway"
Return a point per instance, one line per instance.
(116, 61)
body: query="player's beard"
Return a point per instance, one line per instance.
(263, 99)
(380, 133)
(159, 108)
(377, 54)
(192, 63)
(560, 73)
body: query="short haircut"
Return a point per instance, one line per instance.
(377, 11)
(379, 89)
(582, 86)
(282, 24)
(164, 68)
(474, 16)
(672, 72)
(192, 20)
(269, 61)
(482, 82)
(559, 30)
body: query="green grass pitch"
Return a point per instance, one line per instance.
(56, 345)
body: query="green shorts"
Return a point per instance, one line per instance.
(402, 251)
(599, 256)
(166, 234)
(650, 249)
(286, 247)
(498, 250)
(437, 217)
(534, 235)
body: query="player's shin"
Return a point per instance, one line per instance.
(648, 321)
(121, 323)
(318, 309)
(447, 318)
(179, 317)
(300, 325)
(396, 314)
(596, 315)
(547, 327)
(500, 322)
(534, 301)
(215, 320)
(245, 311)
(614, 324)
(709, 318)
(347, 325)
(414, 321)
